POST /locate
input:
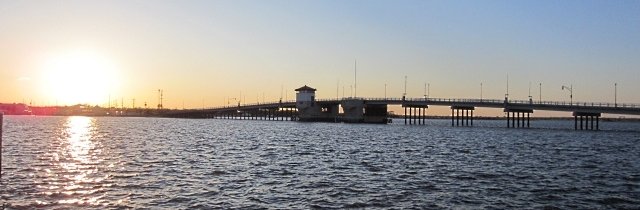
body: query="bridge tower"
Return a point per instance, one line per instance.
(310, 110)
(305, 97)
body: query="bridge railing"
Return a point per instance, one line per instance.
(579, 104)
(501, 101)
(249, 104)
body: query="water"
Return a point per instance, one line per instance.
(82, 162)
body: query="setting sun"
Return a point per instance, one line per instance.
(79, 77)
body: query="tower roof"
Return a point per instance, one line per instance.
(305, 88)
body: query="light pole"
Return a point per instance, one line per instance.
(615, 94)
(481, 92)
(351, 88)
(385, 91)
(570, 89)
(404, 95)
(425, 91)
(540, 93)
(530, 98)
(506, 95)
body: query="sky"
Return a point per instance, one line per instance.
(207, 53)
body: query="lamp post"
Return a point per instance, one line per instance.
(385, 91)
(530, 97)
(425, 91)
(615, 94)
(481, 92)
(540, 93)
(404, 95)
(570, 89)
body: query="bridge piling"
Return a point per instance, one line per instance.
(462, 115)
(467, 116)
(472, 118)
(410, 116)
(452, 115)
(405, 115)
(518, 117)
(586, 120)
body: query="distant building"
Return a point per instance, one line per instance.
(15, 109)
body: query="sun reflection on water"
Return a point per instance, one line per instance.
(76, 176)
(79, 130)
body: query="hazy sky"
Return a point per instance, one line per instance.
(203, 52)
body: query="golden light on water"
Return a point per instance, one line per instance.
(77, 163)
(79, 130)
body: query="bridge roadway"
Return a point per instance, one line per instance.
(579, 107)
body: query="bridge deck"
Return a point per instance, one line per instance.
(587, 107)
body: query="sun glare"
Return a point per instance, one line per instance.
(79, 77)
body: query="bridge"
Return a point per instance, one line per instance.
(374, 110)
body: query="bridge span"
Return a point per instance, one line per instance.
(374, 110)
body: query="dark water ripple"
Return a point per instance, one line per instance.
(98, 163)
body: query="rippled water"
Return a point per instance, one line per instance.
(82, 162)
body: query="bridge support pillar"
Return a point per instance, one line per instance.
(518, 117)
(410, 115)
(405, 115)
(415, 113)
(587, 120)
(462, 115)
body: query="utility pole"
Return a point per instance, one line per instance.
(133, 103)
(615, 94)
(481, 92)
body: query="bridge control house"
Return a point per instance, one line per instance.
(355, 110)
